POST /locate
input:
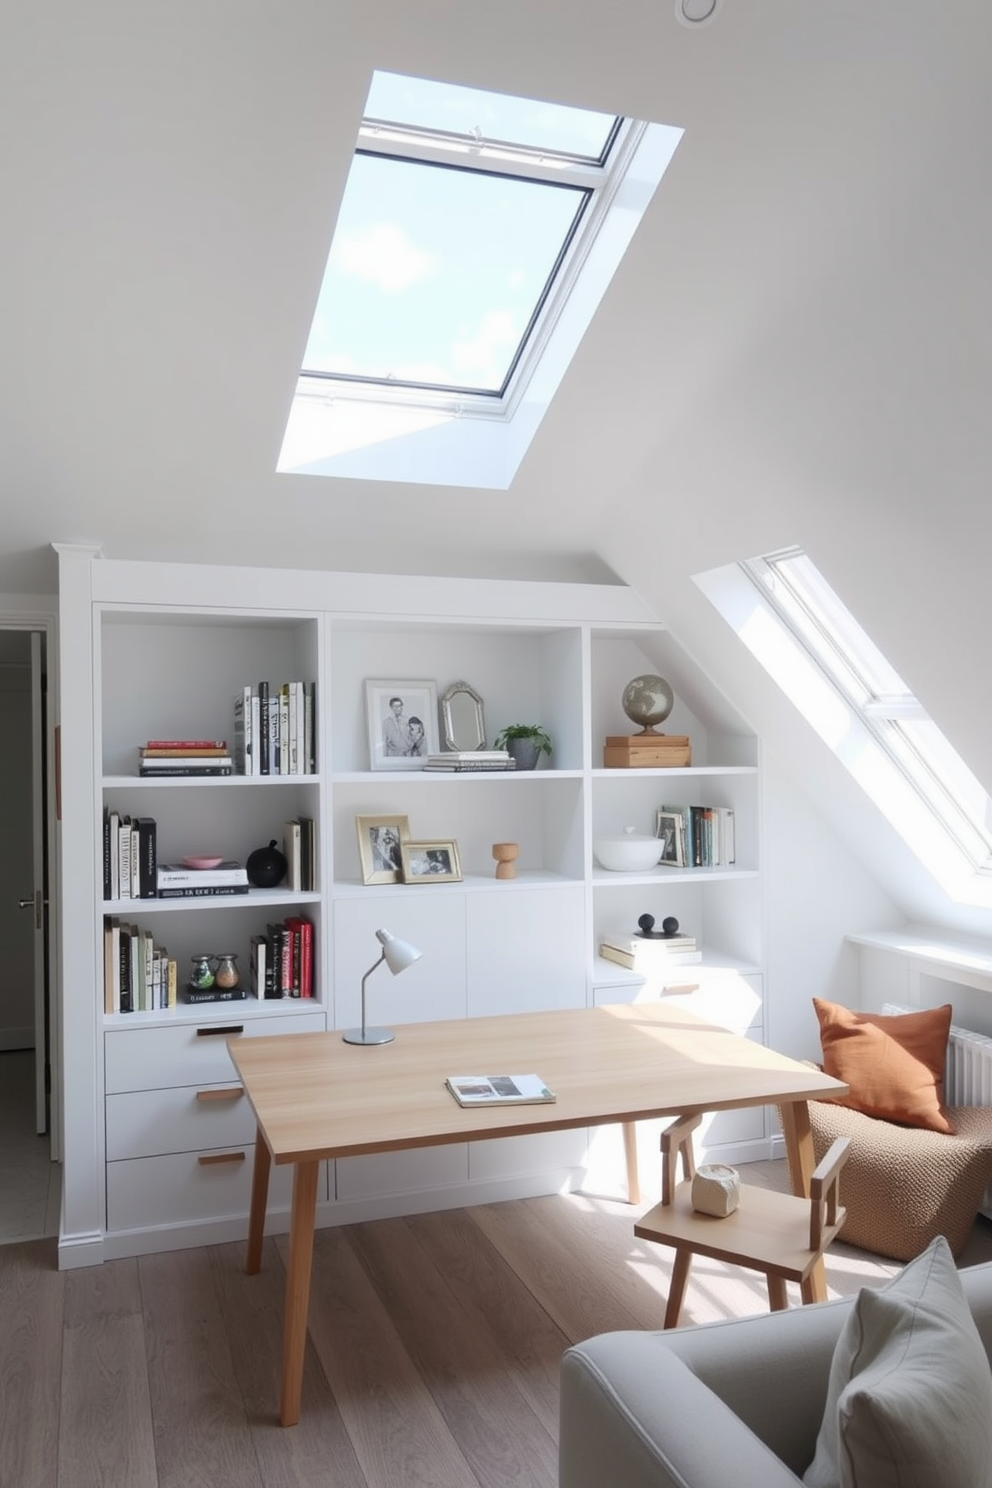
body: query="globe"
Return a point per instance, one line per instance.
(647, 700)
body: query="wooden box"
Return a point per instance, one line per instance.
(646, 751)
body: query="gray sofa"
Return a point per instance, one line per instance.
(703, 1407)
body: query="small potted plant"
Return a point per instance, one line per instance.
(524, 742)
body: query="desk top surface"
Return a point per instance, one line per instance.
(314, 1096)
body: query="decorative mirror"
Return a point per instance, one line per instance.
(463, 722)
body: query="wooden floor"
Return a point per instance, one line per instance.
(433, 1356)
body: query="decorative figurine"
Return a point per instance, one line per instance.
(669, 927)
(227, 974)
(506, 854)
(202, 975)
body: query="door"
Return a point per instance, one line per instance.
(39, 887)
(23, 1001)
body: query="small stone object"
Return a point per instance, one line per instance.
(716, 1190)
(506, 854)
(647, 700)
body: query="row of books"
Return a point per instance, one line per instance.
(281, 961)
(275, 729)
(299, 845)
(139, 976)
(170, 757)
(698, 836)
(129, 856)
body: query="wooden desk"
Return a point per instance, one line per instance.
(316, 1097)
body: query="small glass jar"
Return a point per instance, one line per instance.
(202, 974)
(227, 974)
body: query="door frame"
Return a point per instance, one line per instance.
(39, 613)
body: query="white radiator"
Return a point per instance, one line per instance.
(967, 1073)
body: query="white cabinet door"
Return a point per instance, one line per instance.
(526, 950)
(432, 919)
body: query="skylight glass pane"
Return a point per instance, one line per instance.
(435, 273)
(829, 626)
(491, 116)
(831, 635)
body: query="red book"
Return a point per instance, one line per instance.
(303, 928)
(186, 744)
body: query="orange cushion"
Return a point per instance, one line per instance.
(893, 1065)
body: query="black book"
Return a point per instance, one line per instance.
(127, 1005)
(310, 727)
(106, 854)
(215, 994)
(307, 857)
(194, 891)
(147, 856)
(264, 767)
(159, 774)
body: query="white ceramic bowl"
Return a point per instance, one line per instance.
(629, 852)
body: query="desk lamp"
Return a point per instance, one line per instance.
(398, 955)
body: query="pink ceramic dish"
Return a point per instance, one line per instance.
(202, 862)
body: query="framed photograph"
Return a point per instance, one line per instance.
(380, 839)
(430, 862)
(401, 718)
(670, 828)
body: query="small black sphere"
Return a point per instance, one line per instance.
(670, 925)
(266, 866)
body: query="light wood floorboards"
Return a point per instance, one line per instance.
(432, 1359)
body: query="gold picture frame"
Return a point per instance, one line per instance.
(430, 862)
(380, 840)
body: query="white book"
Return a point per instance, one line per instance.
(124, 860)
(256, 734)
(284, 755)
(499, 1090)
(301, 729)
(177, 875)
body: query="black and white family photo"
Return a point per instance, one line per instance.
(402, 724)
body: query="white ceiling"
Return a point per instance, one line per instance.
(796, 347)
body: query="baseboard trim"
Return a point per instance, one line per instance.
(76, 1251)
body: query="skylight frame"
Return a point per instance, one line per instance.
(821, 624)
(598, 178)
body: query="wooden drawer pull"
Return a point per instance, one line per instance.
(208, 1159)
(677, 989)
(220, 1032)
(230, 1092)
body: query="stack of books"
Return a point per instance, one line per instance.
(177, 881)
(129, 855)
(164, 757)
(652, 955)
(471, 759)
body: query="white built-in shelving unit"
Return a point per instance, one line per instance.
(158, 1138)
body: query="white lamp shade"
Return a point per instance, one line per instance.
(398, 954)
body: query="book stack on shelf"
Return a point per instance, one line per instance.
(471, 759)
(281, 960)
(652, 955)
(129, 855)
(275, 729)
(164, 758)
(706, 836)
(139, 976)
(646, 751)
(180, 881)
(299, 845)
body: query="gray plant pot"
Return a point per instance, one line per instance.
(525, 752)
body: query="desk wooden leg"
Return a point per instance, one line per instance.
(799, 1145)
(294, 1339)
(630, 1153)
(259, 1199)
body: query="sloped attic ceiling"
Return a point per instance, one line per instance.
(171, 173)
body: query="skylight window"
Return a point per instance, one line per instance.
(812, 645)
(476, 234)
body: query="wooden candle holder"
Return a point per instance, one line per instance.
(506, 854)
